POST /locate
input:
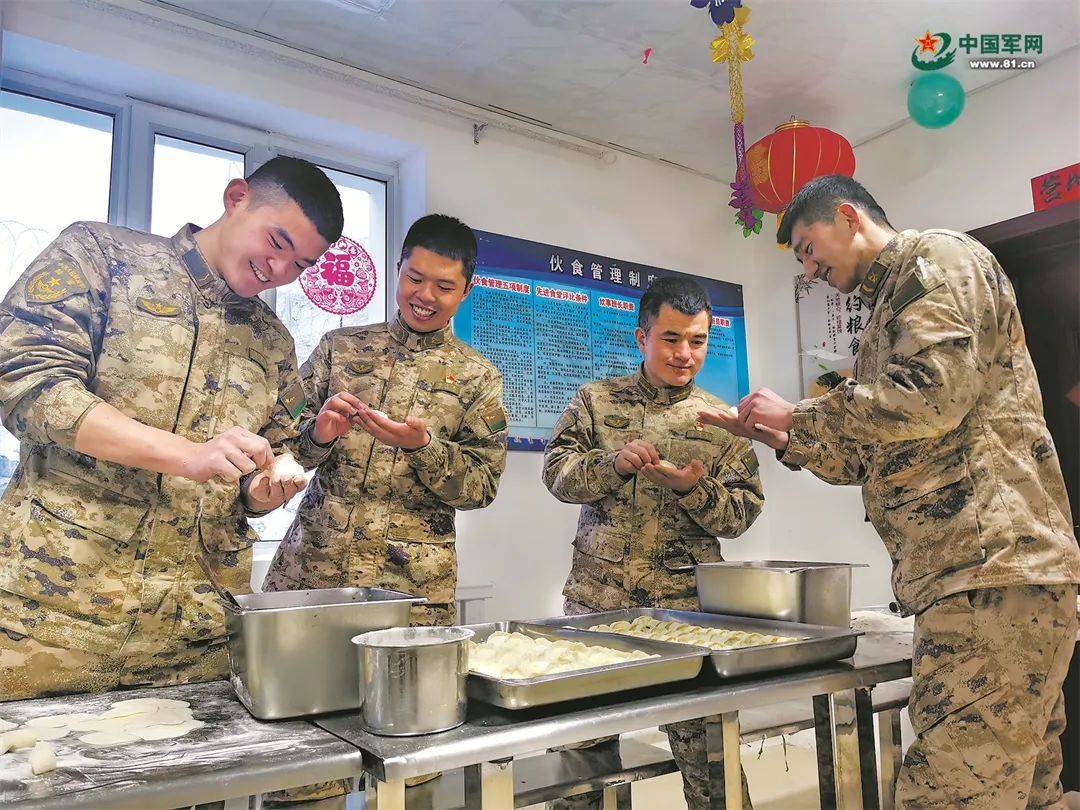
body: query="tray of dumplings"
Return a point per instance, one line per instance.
(518, 665)
(739, 645)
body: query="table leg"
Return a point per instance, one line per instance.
(384, 795)
(617, 797)
(724, 763)
(891, 756)
(489, 786)
(845, 749)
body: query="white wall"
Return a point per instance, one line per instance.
(635, 209)
(972, 173)
(975, 172)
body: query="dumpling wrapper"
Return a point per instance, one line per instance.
(667, 465)
(17, 739)
(7, 726)
(156, 703)
(52, 732)
(107, 738)
(42, 758)
(167, 732)
(58, 720)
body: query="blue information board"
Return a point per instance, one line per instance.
(552, 319)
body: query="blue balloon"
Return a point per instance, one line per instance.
(935, 100)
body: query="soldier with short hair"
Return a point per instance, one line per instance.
(942, 426)
(657, 488)
(150, 389)
(380, 510)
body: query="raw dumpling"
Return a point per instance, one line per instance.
(285, 468)
(42, 758)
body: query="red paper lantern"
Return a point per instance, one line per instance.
(795, 153)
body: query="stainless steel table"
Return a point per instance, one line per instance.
(230, 758)
(491, 737)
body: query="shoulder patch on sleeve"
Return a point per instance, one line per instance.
(494, 417)
(750, 461)
(294, 399)
(56, 282)
(925, 277)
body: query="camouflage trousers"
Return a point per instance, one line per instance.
(30, 669)
(419, 616)
(986, 702)
(687, 742)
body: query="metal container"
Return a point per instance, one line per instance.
(289, 652)
(810, 592)
(675, 662)
(814, 644)
(412, 680)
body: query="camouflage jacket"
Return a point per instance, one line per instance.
(634, 536)
(375, 515)
(94, 555)
(943, 427)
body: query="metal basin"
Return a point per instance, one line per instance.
(784, 590)
(413, 679)
(289, 653)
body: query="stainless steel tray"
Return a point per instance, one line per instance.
(290, 653)
(676, 662)
(816, 644)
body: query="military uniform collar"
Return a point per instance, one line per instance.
(661, 396)
(418, 341)
(210, 285)
(886, 261)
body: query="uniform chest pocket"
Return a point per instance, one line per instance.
(248, 389)
(442, 408)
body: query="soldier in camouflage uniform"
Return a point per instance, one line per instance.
(942, 426)
(380, 510)
(643, 525)
(147, 385)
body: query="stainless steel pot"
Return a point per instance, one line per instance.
(412, 680)
(289, 651)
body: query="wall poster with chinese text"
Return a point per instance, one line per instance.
(830, 326)
(552, 319)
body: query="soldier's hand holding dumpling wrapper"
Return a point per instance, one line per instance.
(276, 485)
(642, 457)
(412, 434)
(338, 416)
(763, 416)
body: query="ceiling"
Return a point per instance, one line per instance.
(576, 65)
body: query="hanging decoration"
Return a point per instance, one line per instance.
(735, 46)
(343, 280)
(793, 154)
(935, 100)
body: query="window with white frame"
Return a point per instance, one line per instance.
(55, 161)
(156, 169)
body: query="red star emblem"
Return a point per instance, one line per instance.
(927, 43)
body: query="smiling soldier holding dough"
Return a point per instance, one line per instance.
(431, 439)
(656, 487)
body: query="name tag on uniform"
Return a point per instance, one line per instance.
(616, 421)
(158, 308)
